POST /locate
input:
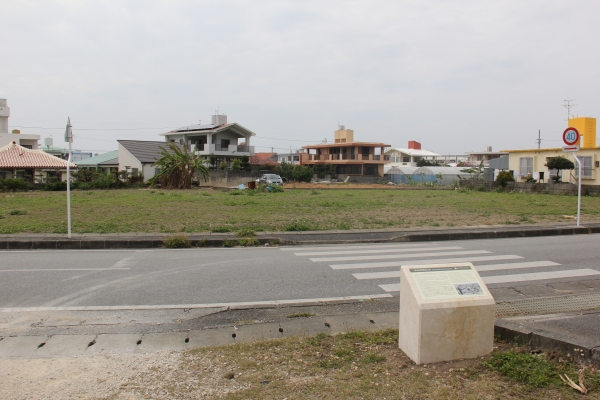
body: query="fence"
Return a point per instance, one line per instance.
(525, 187)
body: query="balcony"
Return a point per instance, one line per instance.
(231, 150)
(345, 157)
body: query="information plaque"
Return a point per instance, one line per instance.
(446, 282)
(446, 313)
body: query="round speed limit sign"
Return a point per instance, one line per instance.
(570, 136)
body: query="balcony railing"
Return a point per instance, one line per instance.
(341, 156)
(220, 147)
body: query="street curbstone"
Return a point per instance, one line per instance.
(20, 245)
(68, 244)
(44, 244)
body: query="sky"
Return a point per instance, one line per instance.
(457, 75)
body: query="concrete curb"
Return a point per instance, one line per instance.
(512, 332)
(97, 242)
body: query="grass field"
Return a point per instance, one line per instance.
(355, 365)
(149, 210)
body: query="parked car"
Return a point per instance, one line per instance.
(270, 179)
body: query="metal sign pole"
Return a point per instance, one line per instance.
(578, 189)
(69, 138)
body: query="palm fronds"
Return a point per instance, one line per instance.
(178, 168)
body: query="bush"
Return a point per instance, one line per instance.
(246, 232)
(298, 225)
(236, 164)
(276, 189)
(13, 185)
(480, 188)
(302, 174)
(57, 186)
(17, 212)
(504, 177)
(248, 242)
(177, 242)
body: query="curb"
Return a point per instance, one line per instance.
(540, 340)
(289, 238)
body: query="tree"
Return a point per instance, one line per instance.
(474, 173)
(323, 169)
(212, 159)
(504, 177)
(426, 163)
(178, 167)
(559, 163)
(302, 174)
(236, 164)
(286, 170)
(245, 165)
(223, 165)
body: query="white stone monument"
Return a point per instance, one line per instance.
(446, 313)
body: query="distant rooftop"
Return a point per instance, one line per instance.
(105, 158)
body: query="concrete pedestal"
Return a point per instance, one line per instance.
(446, 313)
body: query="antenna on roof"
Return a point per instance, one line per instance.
(568, 106)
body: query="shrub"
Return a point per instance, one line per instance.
(228, 243)
(177, 242)
(499, 189)
(302, 174)
(248, 242)
(276, 189)
(504, 177)
(236, 192)
(298, 225)
(17, 212)
(246, 232)
(56, 186)
(13, 185)
(480, 188)
(83, 186)
(236, 164)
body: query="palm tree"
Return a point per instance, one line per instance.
(178, 167)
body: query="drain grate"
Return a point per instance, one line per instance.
(548, 305)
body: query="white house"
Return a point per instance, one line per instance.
(137, 156)
(409, 156)
(24, 140)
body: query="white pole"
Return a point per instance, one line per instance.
(578, 189)
(69, 138)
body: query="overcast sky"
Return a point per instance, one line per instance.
(455, 75)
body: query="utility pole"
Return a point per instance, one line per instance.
(539, 139)
(568, 106)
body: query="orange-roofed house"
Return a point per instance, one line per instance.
(350, 158)
(32, 165)
(264, 159)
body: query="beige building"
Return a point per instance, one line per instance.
(532, 162)
(347, 156)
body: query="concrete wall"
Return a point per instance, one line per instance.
(524, 187)
(230, 178)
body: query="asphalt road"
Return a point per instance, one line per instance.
(204, 276)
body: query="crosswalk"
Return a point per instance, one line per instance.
(364, 262)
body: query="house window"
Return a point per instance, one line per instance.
(405, 159)
(479, 157)
(416, 159)
(296, 158)
(224, 144)
(134, 171)
(525, 166)
(586, 167)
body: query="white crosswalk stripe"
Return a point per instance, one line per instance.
(365, 257)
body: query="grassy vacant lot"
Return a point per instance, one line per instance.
(355, 365)
(148, 210)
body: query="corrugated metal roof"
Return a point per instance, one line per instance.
(14, 156)
(413, 152)
(99, 159)
(146, 151)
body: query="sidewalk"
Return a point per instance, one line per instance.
(25, 241)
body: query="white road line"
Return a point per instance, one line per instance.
(377, 275)
(536, 276)
(392, 287)
(388, 256)
(61, 269)
(394, 250)
(350, 246)
(422, 262)
(395, 287)
(494, 267)
(248, 304)
(531, 264)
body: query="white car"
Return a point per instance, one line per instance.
(270, 179)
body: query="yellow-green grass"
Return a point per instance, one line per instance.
(149, 210)
(356, 365)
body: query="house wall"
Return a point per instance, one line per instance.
(126, 159)
(22, 139)
(539, 160)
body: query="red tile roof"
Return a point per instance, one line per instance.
(14, 156)
(264, 159)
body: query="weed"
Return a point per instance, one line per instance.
(531, 369)
(228, 243)
(248, 242)
(221, 229)
(202, 243)
(246, 232)
(480, 188)
(17, 212)
(236, 192)
(275, 242)
(314, 191)
(177, 242)
(301, 315)
(298, 225)
(499, 189)
(371, 358)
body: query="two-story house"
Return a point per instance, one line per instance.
(225, 141)
(347, 156)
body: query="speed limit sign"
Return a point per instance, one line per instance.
(570, 136)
